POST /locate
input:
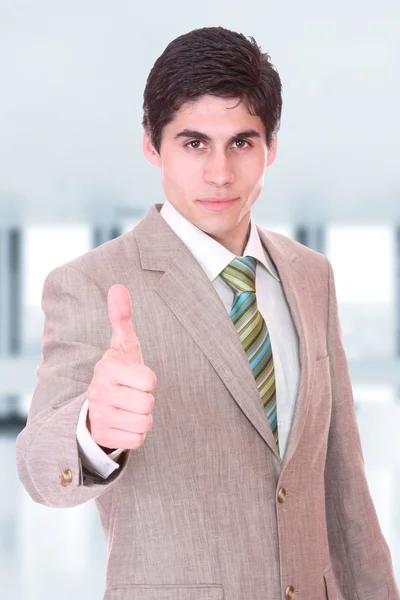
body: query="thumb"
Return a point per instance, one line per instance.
(123, 339)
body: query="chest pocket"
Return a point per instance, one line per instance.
(166, 592)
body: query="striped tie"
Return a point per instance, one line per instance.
(240, 275)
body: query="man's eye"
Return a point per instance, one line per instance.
(242, 141)
(194, 142)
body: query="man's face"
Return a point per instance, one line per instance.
(206, 153)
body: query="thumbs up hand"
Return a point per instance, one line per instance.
(119, 395)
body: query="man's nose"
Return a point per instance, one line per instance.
(218, 169)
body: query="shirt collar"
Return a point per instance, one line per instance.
(212, 256)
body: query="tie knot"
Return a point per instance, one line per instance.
(240, 274)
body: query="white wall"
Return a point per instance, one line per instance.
(72, 78)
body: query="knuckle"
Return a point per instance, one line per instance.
(148, 422)
(150, 378)
(144, 377)
(140, 424)
(96, 397)
(154, 380)
(99, 366)
(149, 402)
(138, 440)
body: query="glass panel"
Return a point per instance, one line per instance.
(378, 415)
(362, 258)
(45, 248)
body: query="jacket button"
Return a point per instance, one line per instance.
(290, 592)
(65, 477)
(281, 495)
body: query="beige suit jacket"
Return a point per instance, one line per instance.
(206, 509)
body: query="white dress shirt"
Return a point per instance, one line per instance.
(272, 304)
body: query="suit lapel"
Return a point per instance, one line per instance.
(187, 291)
(295, 282)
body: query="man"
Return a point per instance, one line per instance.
(220, 341)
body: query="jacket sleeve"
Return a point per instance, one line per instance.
(359, 553)
(76, 335)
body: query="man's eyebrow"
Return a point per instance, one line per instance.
(193, 133)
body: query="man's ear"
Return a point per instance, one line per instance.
(272, 151)
(149, 151)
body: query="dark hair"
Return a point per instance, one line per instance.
(216, 61)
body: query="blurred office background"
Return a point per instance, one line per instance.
(73, 175)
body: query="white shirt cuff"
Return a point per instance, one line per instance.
(91, 455)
